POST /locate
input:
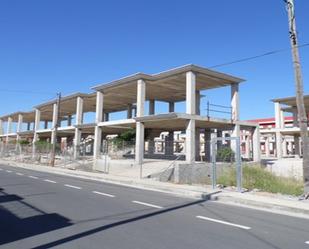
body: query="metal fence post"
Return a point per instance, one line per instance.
(213, 160)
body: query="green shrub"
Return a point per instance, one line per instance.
(255, 177)
(23, 142)
(225, 154)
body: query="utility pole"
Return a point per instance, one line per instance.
(56, 125)
(302, 116)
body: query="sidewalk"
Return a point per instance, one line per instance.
(260, 201)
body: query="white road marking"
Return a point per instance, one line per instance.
(307, 242)
(100, 193)
(46, 180)
(33, 177)
(1, 169)
(9, 171)
(146, 204)
(20, 174)
(71, 186)
(223, 222)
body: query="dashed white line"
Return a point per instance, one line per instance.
(9, 171)
(223, 222)
(47, 180)
(307, 242)
(1, 169)
(20, 174)
(33, 177)
(72, 186)
(147, 204)
(100, 193)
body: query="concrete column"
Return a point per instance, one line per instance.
(129, 111)
(45, 124)
(267, 151)
(105, 116)
(290, 147)
(235, 113)
(171, 106)
(279, 144)
(207, 144)
(140, 140)
(169, 143)
(53, 139)
(151, 107)
(98, 130)
(278, 118)
(282, 121)
(297, 145)
(197, 144)
(9, 126)
(19, 123)
(219, 143)
(78, 121)
(36, 128)
(19, 126)
(190, 109)
(190, 93)
(151, 145)
(197, 102)
(247, 147)
(284, 147)
(69, 121)
(28, 126)
(256, 144)
(190, 141)
(1, 127)
(235, 102)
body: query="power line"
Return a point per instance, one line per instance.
(25, 91)
(257, 56)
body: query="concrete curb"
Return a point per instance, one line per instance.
(248, 200)
(168, 188)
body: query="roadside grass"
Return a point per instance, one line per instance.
(255, 177)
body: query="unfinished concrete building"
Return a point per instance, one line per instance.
(135, 97)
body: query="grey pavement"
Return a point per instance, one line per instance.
(43, 210)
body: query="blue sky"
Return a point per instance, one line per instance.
(70, 45)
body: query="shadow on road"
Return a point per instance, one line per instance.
(115, 224)
(21, 220)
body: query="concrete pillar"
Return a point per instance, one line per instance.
(284, 147)
(278, 118)
(279, 144)
(140, 140)
(169, 143)
(256, 144)
(171, 106)
(267, 149)
(151, 145)
(53, 139)
(235, 113)
(197, 144)
(197, 102)
(19, 123)
(1, 127)
(190, 141)
(69, 120)
(151, 107)
(247, 147)
(9, 126)
(45, 124)
(207, 144)
(98, 130)
(190, 109)
(78, 121)
(282, 120)
(290, 147)
(105, 116)
(129, 111)
(36, 128)
(28, 126)
(297, 145)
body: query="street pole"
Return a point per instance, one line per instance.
(53, 152)
(302, 117)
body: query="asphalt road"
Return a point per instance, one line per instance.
(40, 210)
